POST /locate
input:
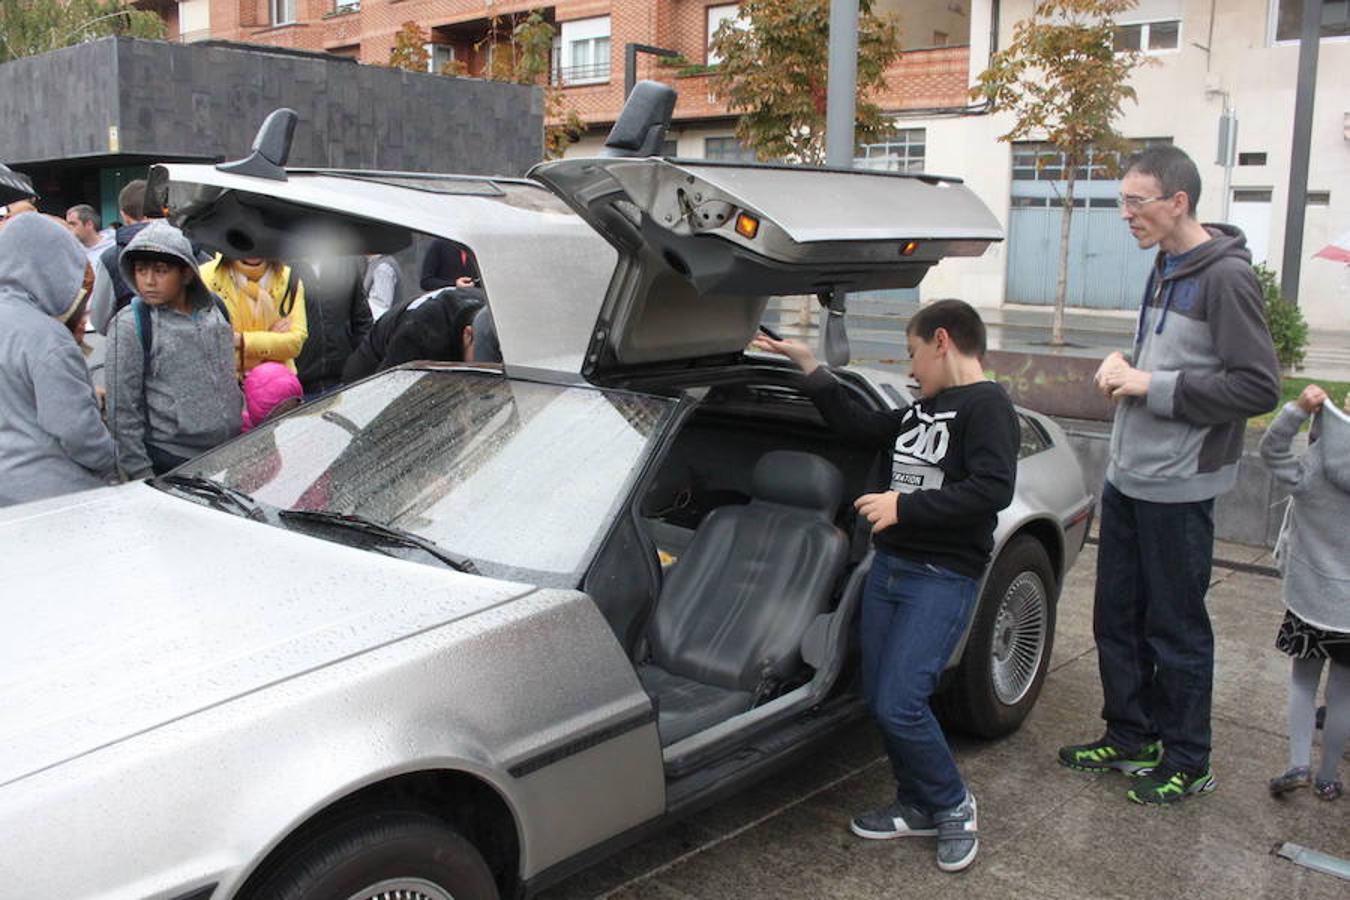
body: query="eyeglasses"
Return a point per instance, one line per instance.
(1134, 204)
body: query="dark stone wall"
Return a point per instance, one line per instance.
(58, 105)
(189, 100)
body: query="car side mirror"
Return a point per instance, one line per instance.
(14, 185)
(271, 148)
(641, 127)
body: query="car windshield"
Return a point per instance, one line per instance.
(521, 477)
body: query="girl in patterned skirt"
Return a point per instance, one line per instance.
(1314, 555)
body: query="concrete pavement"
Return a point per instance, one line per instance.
(1046, 831)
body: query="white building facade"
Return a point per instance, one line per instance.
(1205, 54)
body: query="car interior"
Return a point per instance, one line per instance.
(735, 560)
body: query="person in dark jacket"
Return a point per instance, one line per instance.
(112, 291)
(1202, 363)
(440, 329)
(370, 356)
(448, 264)
(954, 468)
(338, 319)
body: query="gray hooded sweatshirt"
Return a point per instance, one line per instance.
(1314, 545)
(1202, 335)
(188, 399)
(52, 440)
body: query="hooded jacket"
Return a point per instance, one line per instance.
(52, 440)
(255, 319)
(1202, 335)
(187, 400)
(111, 290)
(1313, 549)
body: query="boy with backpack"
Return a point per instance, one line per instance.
(172, 389)
(954, 453)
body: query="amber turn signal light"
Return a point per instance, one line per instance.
(908, 248)
(747, 226)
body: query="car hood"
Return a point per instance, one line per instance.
(130, 608)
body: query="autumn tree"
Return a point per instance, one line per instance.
(773, 72)
(36, 26)
(519, 50)
(410, 49)
(1063, 81)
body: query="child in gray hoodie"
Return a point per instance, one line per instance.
(52, 440)
(172, 390)
(1314, 555)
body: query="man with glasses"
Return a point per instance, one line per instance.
(1202, 363)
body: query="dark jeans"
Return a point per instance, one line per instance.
(1155, 645)
(913, 614)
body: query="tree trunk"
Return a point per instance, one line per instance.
(1062, 287)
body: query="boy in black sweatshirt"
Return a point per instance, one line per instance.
(955, 463)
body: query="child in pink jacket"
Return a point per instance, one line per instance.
(270, 389)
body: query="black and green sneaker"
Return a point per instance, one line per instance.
(1161, 788)
(1104, 756)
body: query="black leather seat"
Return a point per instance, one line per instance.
(732, 612)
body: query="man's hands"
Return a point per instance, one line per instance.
(1116, 378)
(882, 510)
(1312, 398)
(464, 281)
(796, 351)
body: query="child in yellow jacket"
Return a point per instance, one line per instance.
(267, 309)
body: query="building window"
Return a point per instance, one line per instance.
(1288, 15)
(716, 16)
(727, 149)
(1035, 161)
(1319, 198)
(438, 57)
(904, 152)
(670, 149)
(1251, 159)
(583, 52)
(1151, 37)
(283, 12)
(346, 5)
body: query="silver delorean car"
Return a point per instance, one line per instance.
(459, 629)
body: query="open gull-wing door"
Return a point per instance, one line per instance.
(702, 246)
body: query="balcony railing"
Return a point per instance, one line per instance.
(565, 76)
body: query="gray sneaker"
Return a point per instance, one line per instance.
(958, 836)
(895, 821)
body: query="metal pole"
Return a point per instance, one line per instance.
(1298, 163)
(630, 55)
(841, 96)
(629, 69)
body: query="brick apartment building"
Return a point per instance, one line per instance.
(588, 57)
(1239, 55)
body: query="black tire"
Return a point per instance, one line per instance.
(1001, 671)
(364, 857)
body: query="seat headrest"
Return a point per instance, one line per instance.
(798, 479)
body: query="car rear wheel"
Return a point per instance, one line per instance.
(1006, 657)
(403, 855)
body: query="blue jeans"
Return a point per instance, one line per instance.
(913, 615)
(1155, 646)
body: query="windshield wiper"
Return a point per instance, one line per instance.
(388, 533)
(220, 495)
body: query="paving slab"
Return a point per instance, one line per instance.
(1047, 831)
